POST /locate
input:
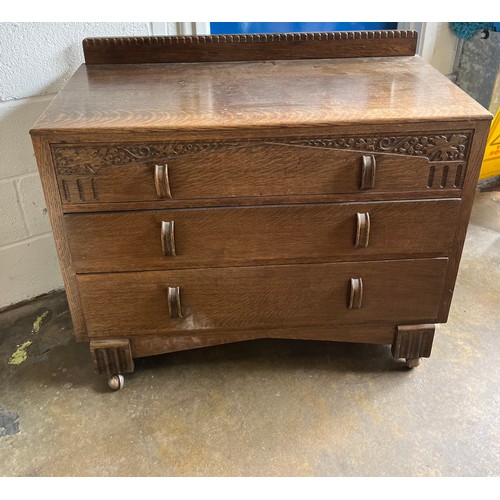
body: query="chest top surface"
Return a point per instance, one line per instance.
(253, 94)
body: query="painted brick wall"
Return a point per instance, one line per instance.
(36, 60)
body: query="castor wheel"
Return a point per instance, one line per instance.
(412, 362)
(116, 382)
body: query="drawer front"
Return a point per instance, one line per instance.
(245, 171)
(228, 299)
(184, 238)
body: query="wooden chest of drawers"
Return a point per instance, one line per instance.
(206, 190)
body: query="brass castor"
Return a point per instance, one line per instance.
(412, 362)
(116, 382)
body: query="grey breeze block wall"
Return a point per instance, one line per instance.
(36, 60)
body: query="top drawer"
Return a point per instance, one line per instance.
(120, 173)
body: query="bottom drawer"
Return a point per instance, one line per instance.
(234, 298)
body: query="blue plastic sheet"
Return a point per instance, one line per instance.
(238, 28)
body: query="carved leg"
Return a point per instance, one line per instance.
(413, 342)
(112, 357)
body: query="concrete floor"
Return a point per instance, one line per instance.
(283, 408)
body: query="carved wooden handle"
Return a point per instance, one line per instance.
(368, 169)
(162, 181)
(174, 302)
(158, 177)
(362, 230)
(356, 295)
(168, 238)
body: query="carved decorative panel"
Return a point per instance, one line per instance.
(413, 341)
(438, 147)
(112, 356)
(80, 189)
(247, 38)
(84, 160)
(443, 175)
(88, 159)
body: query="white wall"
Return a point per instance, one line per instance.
(36, 60)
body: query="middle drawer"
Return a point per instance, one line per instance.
(217, 237)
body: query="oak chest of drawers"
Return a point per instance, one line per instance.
(214, 189)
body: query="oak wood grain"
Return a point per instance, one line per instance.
(112, 356)
(131, 241)
(80, 208)
(212, 48)
(146, 345)
(258, 165)
(413, 341)
(215, 96)
(470, 186)
(234, 298)
(435, 145)
(85, 136)
(256, 170)
(54, 208)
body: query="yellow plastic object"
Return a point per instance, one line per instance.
(491, 159)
